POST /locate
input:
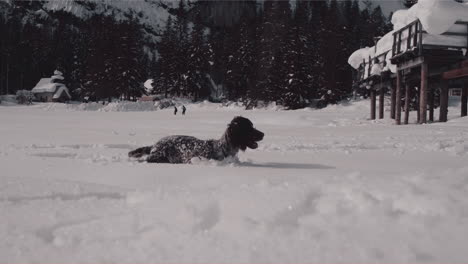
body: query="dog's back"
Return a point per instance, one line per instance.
(176, 149)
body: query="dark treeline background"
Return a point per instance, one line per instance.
(275, 51)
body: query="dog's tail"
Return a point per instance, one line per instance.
(139, 152)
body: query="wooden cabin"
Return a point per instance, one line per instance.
(51, 89)
(421, 62)
(425, 67)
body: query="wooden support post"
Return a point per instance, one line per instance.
(398, 99)
(393, 101)
(443, 101)
(423, 94)
(372, 109)
(407, 103)
(381, 101)
(464, 99)
(417, 92)
(431, 103)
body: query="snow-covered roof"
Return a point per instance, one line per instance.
(359, 55)
(436, 16)
(57, 77)
(45, 85)
(61, 89)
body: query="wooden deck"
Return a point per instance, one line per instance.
(427, 66)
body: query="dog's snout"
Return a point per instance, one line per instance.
(260, 135)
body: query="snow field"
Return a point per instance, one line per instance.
(324, 186)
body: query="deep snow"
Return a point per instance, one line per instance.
(324, 186)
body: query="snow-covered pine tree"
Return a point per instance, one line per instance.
(99, 82)
(128, 71)
(319, 10)
(297, 84)
(180, 49)
(199, 61)
(271, 34)
(241, 66)
(333, 37)
(378, 22)
(166, 81)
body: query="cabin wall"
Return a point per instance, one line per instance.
(44, 97)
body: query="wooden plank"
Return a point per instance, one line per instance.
(415, 38)
(372, 109)
(442, 47)
(399, 42)
(464, 99)
(398, 99)
(443, 101)
(456, 73)
(407, 104)
(393, 101)
(417, 91)
(408, 40)
(411, 63)
(381, 101)
(423, 95)
(454, 34)
(431, 103)
(420, 40)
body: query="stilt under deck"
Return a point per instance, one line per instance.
(460, 73)
(381, 101)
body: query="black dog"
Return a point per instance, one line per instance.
(239, 135)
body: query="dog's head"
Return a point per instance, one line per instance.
(242, 133)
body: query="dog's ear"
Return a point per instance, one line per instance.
(235, 135)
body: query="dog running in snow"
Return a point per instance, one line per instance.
(239, 135)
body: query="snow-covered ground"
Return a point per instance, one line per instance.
(324, 186)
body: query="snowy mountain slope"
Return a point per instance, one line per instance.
(150, 13)
(324, 186)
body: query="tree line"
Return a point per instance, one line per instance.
(286, 53)
(100, 57)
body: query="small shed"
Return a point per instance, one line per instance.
(51, 89)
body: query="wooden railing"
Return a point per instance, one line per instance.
(413, 33)
(365, 68)
(410, 39)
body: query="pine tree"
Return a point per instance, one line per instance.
(319, 10)
(166, 80)
(128, 71)
(409, 3)
(272, 33)
(99, 82)
(378, 22)
(200, 59)
(241, 66)
(297, 82)
(180, 49)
